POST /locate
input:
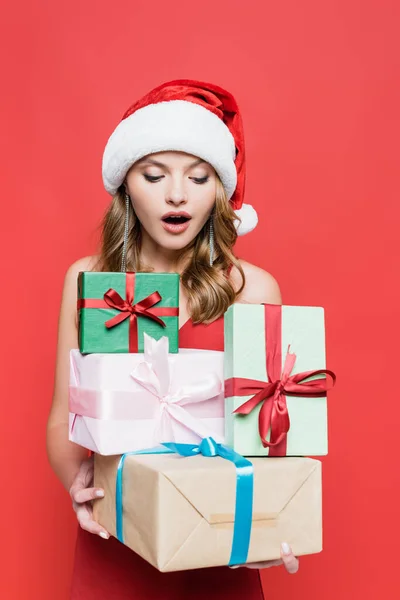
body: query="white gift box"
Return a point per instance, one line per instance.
(125, 402)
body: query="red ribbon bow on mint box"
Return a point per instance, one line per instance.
(274, 415)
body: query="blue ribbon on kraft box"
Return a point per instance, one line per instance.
(244, 489)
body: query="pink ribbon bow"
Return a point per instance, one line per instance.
(159, 376)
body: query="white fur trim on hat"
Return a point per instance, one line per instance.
(177, 125)
(248, 219)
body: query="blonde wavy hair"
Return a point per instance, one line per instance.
(209, 289)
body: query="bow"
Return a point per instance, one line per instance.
(128, 309)
(207, 447)
(155, 376)
(274, 413)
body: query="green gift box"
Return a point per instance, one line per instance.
(276, 380)
(116, 309)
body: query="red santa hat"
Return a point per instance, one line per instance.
(188, 116)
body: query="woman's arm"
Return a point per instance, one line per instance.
(65, 457)
(69, 461)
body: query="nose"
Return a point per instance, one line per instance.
(176, 195)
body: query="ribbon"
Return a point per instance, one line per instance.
(158, 398)
(244, 490)
(154, 375)
(274, 415)
(128, 310)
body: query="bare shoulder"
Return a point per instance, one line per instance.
(88, 263)
(260, 286)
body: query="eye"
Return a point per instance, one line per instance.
(200, 180)
(152, 178)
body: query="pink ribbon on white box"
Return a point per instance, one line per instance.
(160, 397)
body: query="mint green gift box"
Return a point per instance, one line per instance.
(302, 328)
(128, 289)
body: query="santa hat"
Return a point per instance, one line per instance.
(188, 116)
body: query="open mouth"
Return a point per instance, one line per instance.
(176, 222)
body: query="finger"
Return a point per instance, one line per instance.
(289, 560)
(84, 477)
(81, 495)
(86, 472)
(88, 524)
(85, 467)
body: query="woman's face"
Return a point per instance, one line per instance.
(173, 194)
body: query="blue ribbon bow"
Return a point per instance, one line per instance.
(244, 489)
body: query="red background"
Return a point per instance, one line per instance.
(318, 84)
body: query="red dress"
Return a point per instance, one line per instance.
(108, 570)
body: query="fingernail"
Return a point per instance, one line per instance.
(286, 548)
(99, 494)
(104, 535)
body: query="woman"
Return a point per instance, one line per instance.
(175, 166)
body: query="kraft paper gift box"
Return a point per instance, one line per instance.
(180, 513)
(124, 402)
(116, 309)
(276, 378)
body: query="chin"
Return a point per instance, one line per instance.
(171, 241)
(176, 242)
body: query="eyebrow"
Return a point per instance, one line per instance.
(162, 165)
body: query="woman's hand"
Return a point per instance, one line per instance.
(82, 494)
(288, 559)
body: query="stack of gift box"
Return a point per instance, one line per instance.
(203, 455)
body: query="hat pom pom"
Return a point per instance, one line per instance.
(248, 219)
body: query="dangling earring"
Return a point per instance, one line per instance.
(126, 231)
(211, 241)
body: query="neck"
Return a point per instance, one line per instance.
(161, 260)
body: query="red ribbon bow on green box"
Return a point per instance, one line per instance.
(131, 311)
(128, 310)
